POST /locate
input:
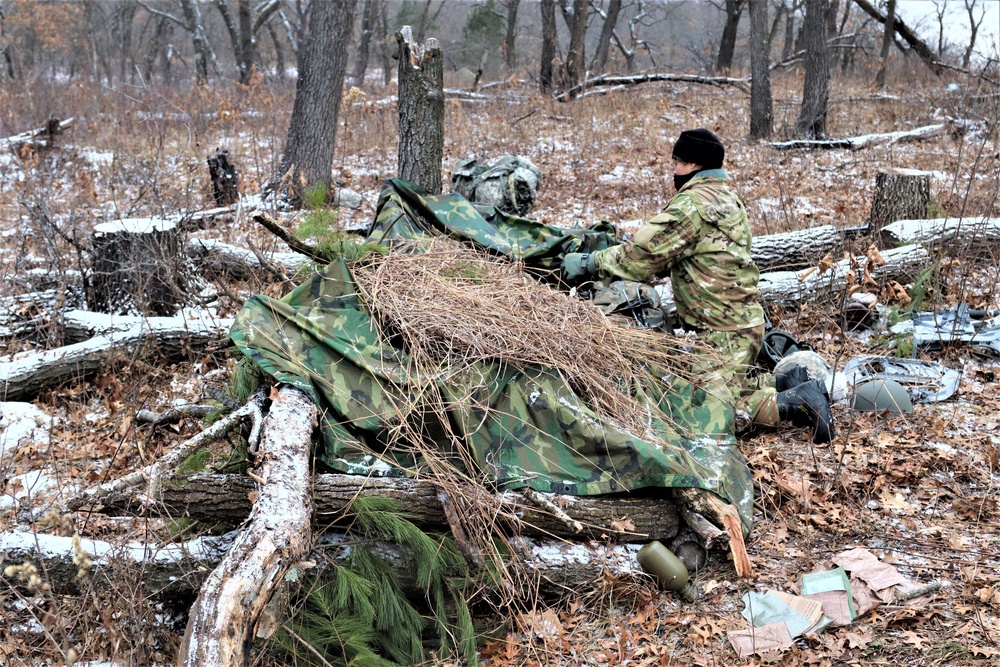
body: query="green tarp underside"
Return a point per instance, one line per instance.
(521, 427)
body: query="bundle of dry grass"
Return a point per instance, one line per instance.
(453, 306)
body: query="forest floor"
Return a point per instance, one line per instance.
(920, 491)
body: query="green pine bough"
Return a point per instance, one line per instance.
(360, 616)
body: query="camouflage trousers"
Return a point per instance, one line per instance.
(724, 373)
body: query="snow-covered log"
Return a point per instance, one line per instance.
(223, 620)
(792, 288)
(979, 237)
(24, 376)
(795, 249)
(41, 137)
(169, 569)
(719, 81)
(224, 498)
(216, 258)
(866, 140)
(179, 570)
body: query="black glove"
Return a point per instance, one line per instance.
(577, 266)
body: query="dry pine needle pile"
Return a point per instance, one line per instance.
(454, 306)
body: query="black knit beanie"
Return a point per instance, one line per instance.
(700, 147)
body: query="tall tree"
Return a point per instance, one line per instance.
(788, 46)
(5, 48)
(192, 22)
(243, 30)
(546, 80)
(887, 35)
(369, 15)
(816, 88)
(974, 23)
(312, 130)
(576, 20)
(727, 45)
(607, 31)
(761, 106)
(509, 52)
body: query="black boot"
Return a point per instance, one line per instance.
(791, 377)
(808, 405)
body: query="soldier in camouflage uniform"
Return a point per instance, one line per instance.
(702, 241)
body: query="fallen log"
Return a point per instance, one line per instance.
(223, 620)
(178, 571)
(224, 498)
(24, 377)
(789, 289)
(719, 81)
(40, 137)
(866, 140)
(218, 259)
(978, 237)
(789, 250)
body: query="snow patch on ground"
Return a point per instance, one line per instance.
(22, 423)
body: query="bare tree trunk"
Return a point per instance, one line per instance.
(919, 46)
(386, 48)
(761, 106)
(788, 46)
(607, 30)
(576, 55)
(509, 51)
(970, 8)
(421, 111)
(727, 45)
(279, 51)
(312, 131)
(369, 15)
(204, 56)
(887, 35)
(5, 49)
(816, 88)
(546, 81)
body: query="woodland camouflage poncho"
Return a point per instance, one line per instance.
(523, 427)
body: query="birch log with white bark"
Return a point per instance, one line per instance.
(223, 620)
(224, 498)
(866, 140)
(789, 289)
(976, 237)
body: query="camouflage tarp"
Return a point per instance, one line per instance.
(522, 427)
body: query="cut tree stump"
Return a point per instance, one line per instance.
(225, 179)
(900, 194)
(136, 268)
(421, 111)
(224, 498)
(223, 620)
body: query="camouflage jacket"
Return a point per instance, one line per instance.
(702, 240)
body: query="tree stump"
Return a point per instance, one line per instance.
(136, 268)
(900, 194)
(225, 178)
(421, 111)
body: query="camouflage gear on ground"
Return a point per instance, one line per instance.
(725, 375)
(523, 427)
(702, 241)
